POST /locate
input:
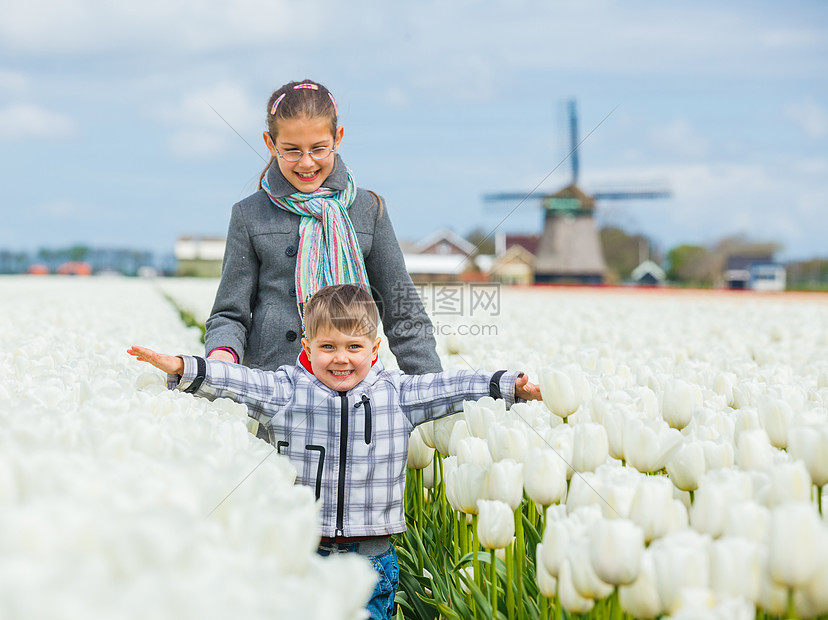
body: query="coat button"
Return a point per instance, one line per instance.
(290, 251)
(293, 291)
(290, 335)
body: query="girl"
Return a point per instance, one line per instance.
(309, 226)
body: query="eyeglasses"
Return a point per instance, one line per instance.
(317, 154)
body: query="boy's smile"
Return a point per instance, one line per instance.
(340, 361)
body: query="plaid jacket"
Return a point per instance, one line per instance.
(350, 447)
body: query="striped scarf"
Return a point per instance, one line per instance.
(329, 251)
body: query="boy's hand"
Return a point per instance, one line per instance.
(526, 390)
(168, 363)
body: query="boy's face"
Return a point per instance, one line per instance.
(339, 360)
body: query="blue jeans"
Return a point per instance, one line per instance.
(381, 605)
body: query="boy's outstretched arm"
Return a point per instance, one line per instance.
(526, 390)
(168, 363)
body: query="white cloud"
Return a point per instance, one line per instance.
(204, 123)
(809, 116)
(21, 121)
(13, 82)
(679, 138)
(79, 26)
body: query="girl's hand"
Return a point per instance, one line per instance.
(526, 390)
(168, 363)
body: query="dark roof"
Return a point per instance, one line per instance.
(529, 242)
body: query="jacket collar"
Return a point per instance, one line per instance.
(281, 187)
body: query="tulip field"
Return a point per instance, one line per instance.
(675, 468)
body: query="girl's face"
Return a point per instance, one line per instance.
(305, 134)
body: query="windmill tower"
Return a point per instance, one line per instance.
(569, 249)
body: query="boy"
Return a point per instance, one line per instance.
(344, 421)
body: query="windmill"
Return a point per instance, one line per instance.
(569, 249)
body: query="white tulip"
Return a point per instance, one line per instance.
(615, 551)
(614, 421)
(495, 524)
(678, 402)
(465, 484)
(471, 450)
(812, 599)
(687, 466)
(431, 476)
(718, 454)
(584, 578)
(789, 482)
(810, 444)
(651, 507)
(555, 542)
(420, 455)
(775, 416)
(568, 596)
(749, 520)
(589, 447)
(544, 476)
(648, 444)
(795, 554)
(681, 561)
(506, 482)
(773, 597)
(547, 583)
(508, 441)
(481, 415)
(442, 432)
(459, 431)
(754, 449)
(640, 599)
(735, 568)
(563, 390)
(427, 433)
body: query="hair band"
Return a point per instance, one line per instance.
(306, 85)
(276, 103)
(333, 101)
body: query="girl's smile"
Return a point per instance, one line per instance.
(304, 134)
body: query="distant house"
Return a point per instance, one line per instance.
(443, 256)
(199, 256)
(757, 273)
(74, 268)
(514, 266)
(648, 274)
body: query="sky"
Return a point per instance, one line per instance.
(131, 124)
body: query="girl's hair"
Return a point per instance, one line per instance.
(305, 99)
(345, 307)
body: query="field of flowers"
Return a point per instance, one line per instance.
(675, 468)
(118, 498)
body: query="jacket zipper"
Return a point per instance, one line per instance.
(366, 401)
(343, 459)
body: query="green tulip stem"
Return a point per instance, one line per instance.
(493, 582)
(520, 556)
(475, 556)
(791, 611)
(438, 463)
(461, 533)
(419, 490)
(543, 520)
(566, 420)
(692, 497)
(510, 596)
(543, 607)
(819, 499)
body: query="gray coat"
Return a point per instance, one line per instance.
(255, 310)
